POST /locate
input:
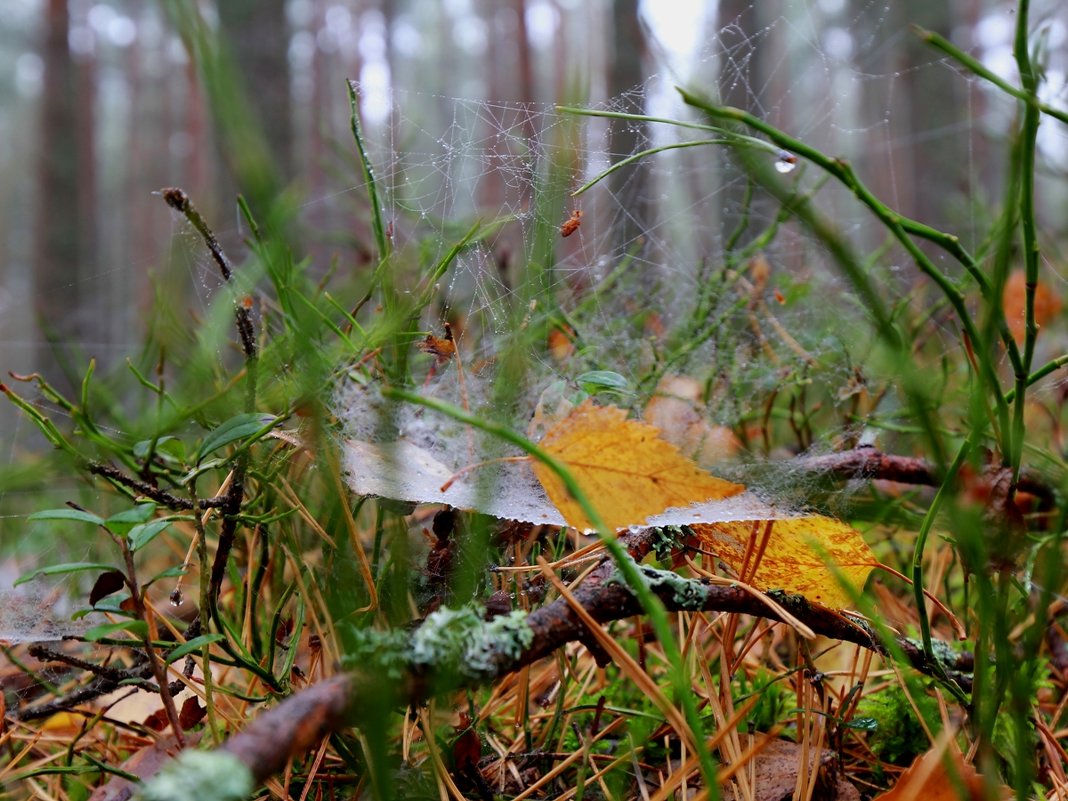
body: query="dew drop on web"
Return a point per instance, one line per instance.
(786, 162)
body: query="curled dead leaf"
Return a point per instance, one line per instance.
(940, 775)
(1047, 304)
(677, 411)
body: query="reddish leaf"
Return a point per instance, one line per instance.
(106, 584)
(192, 713)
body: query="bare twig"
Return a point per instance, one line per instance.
(149, 491)
(233, 498)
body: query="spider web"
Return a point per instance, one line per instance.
(678, 220)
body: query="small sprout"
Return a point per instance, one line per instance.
(603, 381)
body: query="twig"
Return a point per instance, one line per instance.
(870, 463)
(149, 491)
(177, 199)
(232, 500)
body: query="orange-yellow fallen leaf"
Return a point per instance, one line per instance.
(928, 779)
(1014, 301)
(561, 343)
(792, 554)
(63, 722)
(623, 467)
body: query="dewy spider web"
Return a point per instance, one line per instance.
(805, 71)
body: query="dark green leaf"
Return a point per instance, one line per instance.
(170, 572)
(243, 426)
(166, 446)
(59, 570)
(125, 520)
(68, 514)
(143, 533)
(137, 628)
(192, 645)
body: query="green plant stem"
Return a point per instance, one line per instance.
(626, 566)
(643, 154)
(1028, 142)
(917, 559)
(377, 227)
(976, 67)
(1052, 366)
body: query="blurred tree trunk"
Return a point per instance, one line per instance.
(65, 235)
(919, 161)
(630, 185)
(527, 89)
(930, 103)
(740, 74)
(258, 34)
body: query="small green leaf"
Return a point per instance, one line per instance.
(862, 724)
(140, 535)
(112, 605)
(170, 572)
(138, 628)
(597, 381)
(125, 520)
(59, 570)
(243, 426)
(68, 514)
(166, 446)
(200, 469)
(192, 645)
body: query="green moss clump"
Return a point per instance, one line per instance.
(896, 734)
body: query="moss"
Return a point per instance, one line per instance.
(896, 733)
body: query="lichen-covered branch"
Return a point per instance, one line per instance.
(470, 657)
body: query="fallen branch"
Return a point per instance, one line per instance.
(873, 464)
(300, 722)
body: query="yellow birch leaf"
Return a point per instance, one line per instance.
(623, 467)
(791, 554)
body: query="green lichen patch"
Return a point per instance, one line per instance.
(688, 594)
(455, 644)
(203, 775)
(461, 641)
